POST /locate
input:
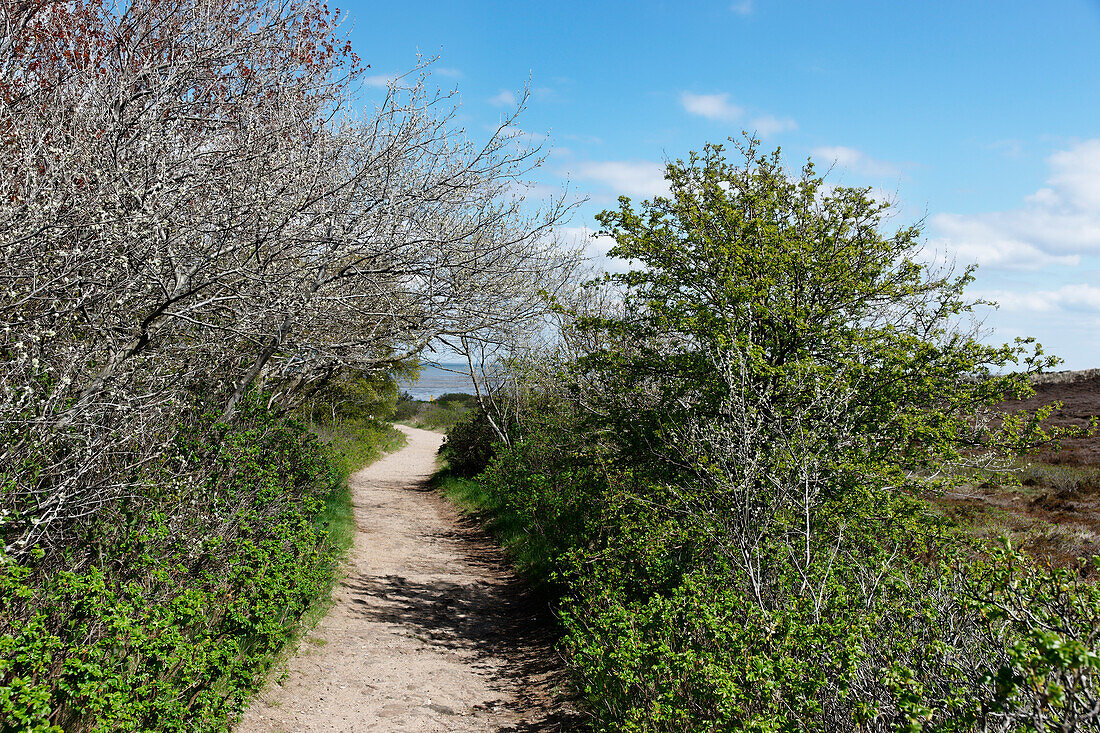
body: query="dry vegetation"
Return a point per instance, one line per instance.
(1050, 504)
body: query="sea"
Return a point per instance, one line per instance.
(437, 380)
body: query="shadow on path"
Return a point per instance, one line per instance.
(495, 617)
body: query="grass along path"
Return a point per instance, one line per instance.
(428, 630)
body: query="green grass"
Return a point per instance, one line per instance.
(529, 552)
(338, 518)
(1060, 477)
(440, 414)
(353, 444)
(356, 443)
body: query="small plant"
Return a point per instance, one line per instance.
(1061, 478)
(439, 414)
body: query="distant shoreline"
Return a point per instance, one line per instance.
(437, 380)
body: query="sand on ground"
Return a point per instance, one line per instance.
(429, 631)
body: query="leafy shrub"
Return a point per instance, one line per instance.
(405, 408)
(165, 616)
(469, 445)
(353, 443)
(440, 414)
(726, 497)
(904, 626)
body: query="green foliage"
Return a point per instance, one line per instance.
(800, 284)
(727, 502)
(359, 396)
(353, 443)
(529, 551)
(469, 446)
(439, 414)
(532, 495)
(171, 612)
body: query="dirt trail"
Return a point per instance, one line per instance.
(428, 632)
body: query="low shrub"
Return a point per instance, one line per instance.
(440, 414)
(469, 445)
(166, 615)
(897, 622)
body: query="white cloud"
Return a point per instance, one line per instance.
(1009, 147)
(631, 178)
(719, 107)
(447, 71)
(768, 125)
(518, 133)
(546, 94)
(969, 244)
(1056, 225)
(855, 161)
(378, 80)
(594, 246)
(1076, 298)
(1076, 175)
(503, 98)
(711, 106)
(742, 7)
(532, 191)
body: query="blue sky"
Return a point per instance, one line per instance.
(980, 118)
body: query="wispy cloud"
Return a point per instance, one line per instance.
(546, 94)
(711, 106)
(721, 108)
(1075, 178)
(503, 98)
(515, 132)
(447, 71)
(1073, 298)
(641, 178)
(768, 125)
(969, 240)
(594, 246)
(1056, 225)
(378, 81)
(1009, 147)
(855, 161)
(742, 7)
(583, 139)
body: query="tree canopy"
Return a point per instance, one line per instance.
(796, 287)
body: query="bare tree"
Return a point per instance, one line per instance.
(191, 207)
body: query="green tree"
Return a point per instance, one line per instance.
(798, 284)
(779, 377)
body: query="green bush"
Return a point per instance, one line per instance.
(909, 628)
(166, 616)
(469, 445)
(440, 414)
(724, 500)
(353, 443)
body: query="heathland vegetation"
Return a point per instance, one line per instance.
(438, 414)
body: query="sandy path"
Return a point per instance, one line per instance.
(428, 631)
